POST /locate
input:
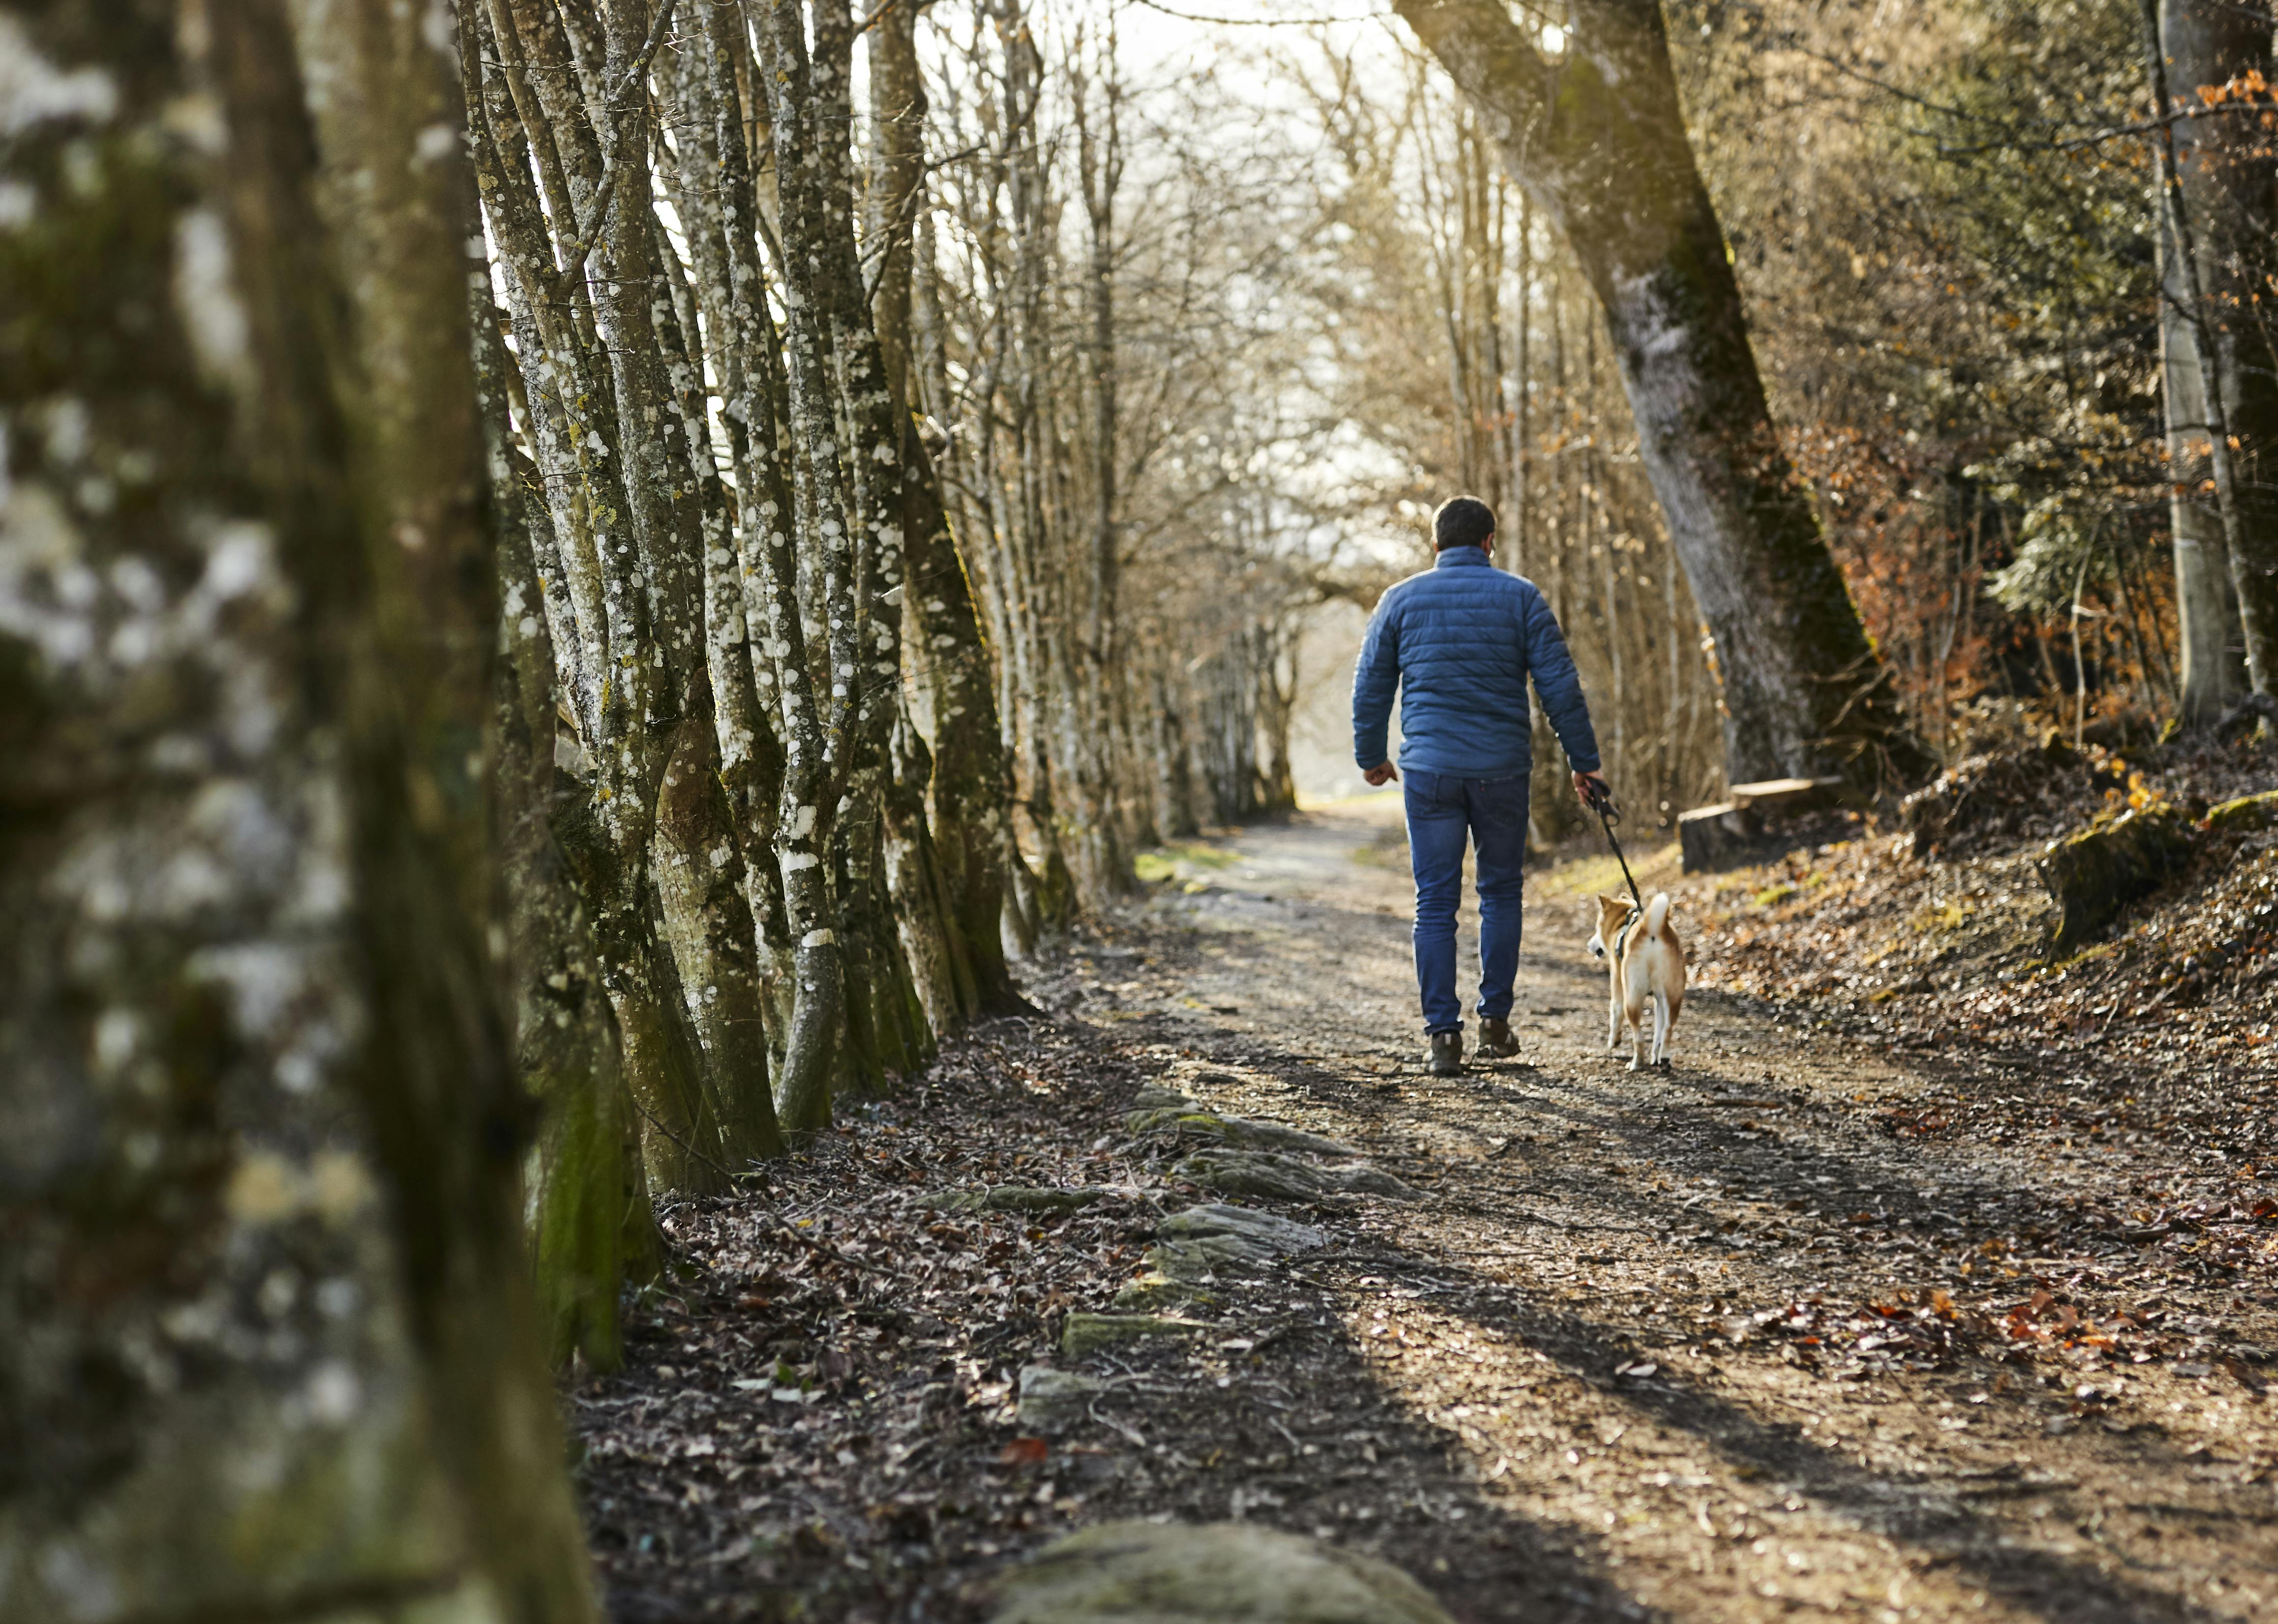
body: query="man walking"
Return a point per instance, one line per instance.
(1458, 641)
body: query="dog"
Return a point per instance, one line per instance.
(1647, 962)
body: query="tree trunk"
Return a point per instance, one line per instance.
(967, 789)
(267, 1347)
(701, 901)
(2223, 202)
(591, 1226)
(1597, 140)
(2206, 604)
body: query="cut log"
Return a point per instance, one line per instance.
(1714, 838)
(1778, 797)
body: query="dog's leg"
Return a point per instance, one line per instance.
(1614, 1013)
(1660, 1024)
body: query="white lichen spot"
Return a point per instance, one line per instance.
(817, 938)
(333, 1394)
(205, 292)
(793, 862)
(341, 1187)
(33, 90)
(85, 1587)
(338, 1299)
(117, 1031)
(47, 592)
(262, 980)
(262, 1189)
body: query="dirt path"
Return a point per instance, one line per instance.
(1757, 1338)
(1719, 1344)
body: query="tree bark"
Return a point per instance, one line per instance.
(1597, 140)
(591, 1225)
(972, 818)
(2221, 186)
(2206, 604)
(267, 1344)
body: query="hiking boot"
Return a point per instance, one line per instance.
(1495, 1039)
(1447, 1054)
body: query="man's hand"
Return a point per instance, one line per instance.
(1589, 786)
(1381, 773)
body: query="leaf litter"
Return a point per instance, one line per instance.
(1864, 1310)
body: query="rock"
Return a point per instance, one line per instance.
(1204, 1256)
(1273, 1176)
(1011, 1198)
(1083, 1333)
(1259, 1174)
(2093, 874)
(1275, 1136)
(1232, 1130)
(1053, 1400)
(2245, 815)
(1220, 1573)
(1195, 1244)
(1372, 1181)
(1150, 1098)
(1268, 1229)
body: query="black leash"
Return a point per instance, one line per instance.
(1601, 802)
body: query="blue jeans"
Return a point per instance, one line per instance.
(1441, 812)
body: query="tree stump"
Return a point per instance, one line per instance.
(2093, 874)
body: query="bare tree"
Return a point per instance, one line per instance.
(1595, 135)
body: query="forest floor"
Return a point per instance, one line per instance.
(1954, 1302)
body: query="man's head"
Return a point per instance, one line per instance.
(1463, 522)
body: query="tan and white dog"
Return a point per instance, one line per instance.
(1647, 962)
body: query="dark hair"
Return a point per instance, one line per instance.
(1463, 522)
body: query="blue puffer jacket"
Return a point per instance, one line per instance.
(1458, 641)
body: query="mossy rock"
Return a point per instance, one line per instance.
(1085, 1333)
(1259, 1175)
(1204, 1256)
(1158, 1291)
(1269, 1230)
(1266, 1175)
(1218, 1573)
(2246, 815)
(1151, 1098)
(2093, 874)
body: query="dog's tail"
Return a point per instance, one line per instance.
(1656, 915)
